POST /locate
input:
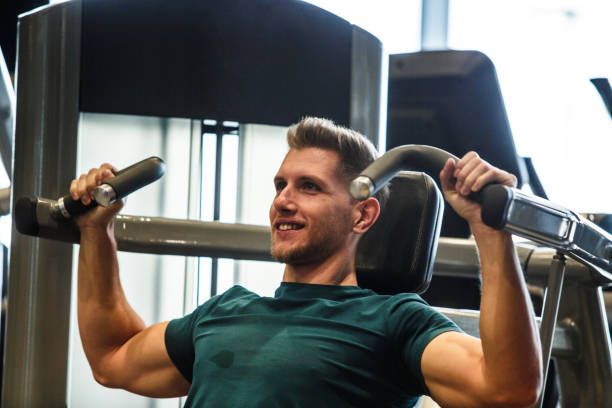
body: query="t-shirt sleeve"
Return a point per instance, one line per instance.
(179, 343)
(413, 324)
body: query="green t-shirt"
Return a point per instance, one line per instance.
(308, 346)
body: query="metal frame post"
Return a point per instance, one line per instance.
(38, 318)
(585, 378)
(550, 312)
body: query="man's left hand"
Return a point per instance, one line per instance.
(470, 174)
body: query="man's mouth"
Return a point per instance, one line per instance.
(289, 226)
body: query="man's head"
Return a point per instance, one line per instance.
(313, 217)
(355, 150)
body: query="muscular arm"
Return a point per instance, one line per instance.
(503, 368)
(121, 351)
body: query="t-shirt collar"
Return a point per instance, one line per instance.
(294, 290)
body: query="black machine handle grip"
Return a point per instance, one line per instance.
(125, 182)
(426, 159)
(47, 218)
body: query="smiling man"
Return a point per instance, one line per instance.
(322, 340)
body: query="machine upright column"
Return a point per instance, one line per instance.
(38, 319)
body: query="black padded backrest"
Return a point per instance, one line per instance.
(451, 100)
(397, 254)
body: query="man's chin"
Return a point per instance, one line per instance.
(292, 257)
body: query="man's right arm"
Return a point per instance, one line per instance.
(121, 350)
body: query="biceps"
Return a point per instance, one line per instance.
(453, 368)
(142, 366)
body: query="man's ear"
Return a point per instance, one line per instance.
(366, 214)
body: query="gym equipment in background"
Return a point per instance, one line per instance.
(452, 100)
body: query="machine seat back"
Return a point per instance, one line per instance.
(397, 254)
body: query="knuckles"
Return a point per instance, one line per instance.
(85, 183)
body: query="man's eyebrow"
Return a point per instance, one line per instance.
(314, 179)
(307, 177)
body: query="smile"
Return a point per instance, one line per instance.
(288, 227)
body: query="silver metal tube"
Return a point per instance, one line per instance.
(39, 286)
(192, 238)
(549, 313)
(585, 379)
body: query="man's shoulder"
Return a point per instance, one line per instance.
(397, 300)
(388, 307)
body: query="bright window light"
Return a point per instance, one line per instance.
(396, 23)
(545, 52)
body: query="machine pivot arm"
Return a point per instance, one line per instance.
(502, 207)
(31, 212)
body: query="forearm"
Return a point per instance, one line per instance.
(509, 334)
(106, 320)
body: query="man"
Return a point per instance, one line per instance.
(322, 340)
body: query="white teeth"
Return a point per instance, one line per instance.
(286, 227)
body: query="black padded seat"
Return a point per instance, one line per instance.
(397, 254)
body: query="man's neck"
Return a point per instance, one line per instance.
(336, 270)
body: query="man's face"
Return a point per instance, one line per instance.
(311, 215)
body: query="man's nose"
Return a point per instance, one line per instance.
(285, 200)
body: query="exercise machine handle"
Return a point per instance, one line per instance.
(503, 207)
(426, 159)
(39, 216)
(125, 182)
(545, 222)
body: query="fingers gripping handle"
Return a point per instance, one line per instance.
(126, 181)
(131, 179)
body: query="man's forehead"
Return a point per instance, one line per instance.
(312, 157)
(312, 161)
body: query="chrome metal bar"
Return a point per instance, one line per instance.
(38, 319)
(455, 256)
(585, 379)
(549, 313)
(192, 238)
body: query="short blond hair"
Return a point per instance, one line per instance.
(355, 150)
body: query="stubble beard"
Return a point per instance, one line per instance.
(318, 248)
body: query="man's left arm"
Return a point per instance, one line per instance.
(504, 367)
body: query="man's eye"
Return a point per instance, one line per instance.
(279, 186)
(311, 186)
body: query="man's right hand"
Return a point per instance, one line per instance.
(82, 189)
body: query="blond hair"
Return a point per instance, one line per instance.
(355, 150)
